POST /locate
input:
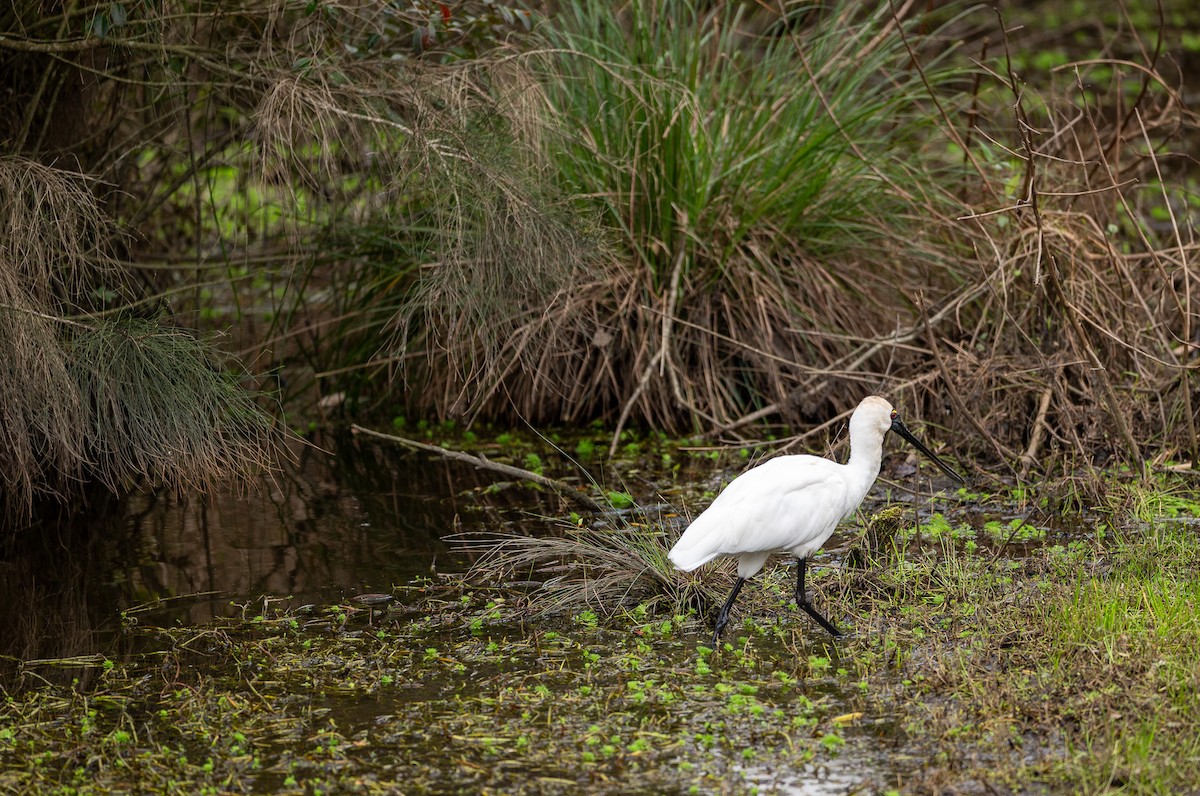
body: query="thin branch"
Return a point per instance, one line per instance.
(1029, 457)
(561, 487)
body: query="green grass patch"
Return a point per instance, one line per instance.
(1075, 670)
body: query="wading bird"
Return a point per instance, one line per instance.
(792, 504)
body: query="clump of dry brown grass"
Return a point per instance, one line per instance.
(435, 164)
(679, 239)
(50, 229)
(605, 567)
(90, 397)
(739, 213)
(1078, 344)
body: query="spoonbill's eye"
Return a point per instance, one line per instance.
(895, 414)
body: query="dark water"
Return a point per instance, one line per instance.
(358, 518)
(346, 518)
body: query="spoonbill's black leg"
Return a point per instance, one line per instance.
(802, 600)
(723, 617)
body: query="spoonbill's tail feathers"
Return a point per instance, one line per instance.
(693, 550)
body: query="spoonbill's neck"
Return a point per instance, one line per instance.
(866, 456)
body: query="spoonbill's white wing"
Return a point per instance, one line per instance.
(788, 503)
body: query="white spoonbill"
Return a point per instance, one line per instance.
(792, 504)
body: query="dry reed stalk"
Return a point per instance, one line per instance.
(511, 302)
(562, 488)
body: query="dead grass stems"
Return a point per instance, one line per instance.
(93, 396)
(1045, 324)
(597, 567)
(665, 234)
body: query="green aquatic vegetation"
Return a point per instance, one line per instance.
(533, 463)
(619, 500)
(1015, 530)
(972, 667)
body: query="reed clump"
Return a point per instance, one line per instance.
(697, 217)
(1005, 252)
(94, 396)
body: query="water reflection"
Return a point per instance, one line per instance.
(325, 527)
(49, 581)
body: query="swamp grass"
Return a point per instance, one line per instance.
(691, 216)
(93, 392)
(1069, 669)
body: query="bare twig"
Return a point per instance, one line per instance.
(1029, 457)
(1013, 534)
(1185, 311)
(1002, 452)
(863, 355)
(561, 487)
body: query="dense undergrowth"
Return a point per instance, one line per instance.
(697, 218)
(740, 178)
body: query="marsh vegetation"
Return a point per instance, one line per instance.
(674, 238)
(991, 647)
(696, 218)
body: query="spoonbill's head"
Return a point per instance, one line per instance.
(874, 417)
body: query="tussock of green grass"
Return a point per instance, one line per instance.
(720, 139)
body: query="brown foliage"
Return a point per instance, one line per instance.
(1063, 337)
(1037, 303)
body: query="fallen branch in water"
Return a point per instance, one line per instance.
(561, 487)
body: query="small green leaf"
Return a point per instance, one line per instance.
(619, 500)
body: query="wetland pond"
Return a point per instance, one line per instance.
(318, 635)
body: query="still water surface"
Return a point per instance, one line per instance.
(326, 527)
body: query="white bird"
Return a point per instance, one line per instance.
(792, 504)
